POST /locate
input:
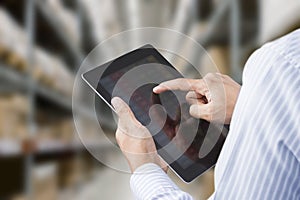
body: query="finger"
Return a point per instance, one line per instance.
(122, 137)
(201, 111)
(126, 116)
(119, 137)
(202, 100)
(195, 98)
(193, 95)
(195, 101)
(177, 84)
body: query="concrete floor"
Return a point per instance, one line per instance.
(109, 184)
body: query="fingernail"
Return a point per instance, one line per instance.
(155, 89)
(115, 102)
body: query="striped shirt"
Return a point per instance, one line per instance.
(261, 155)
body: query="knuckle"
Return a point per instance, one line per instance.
(224, 77)
(187, 96)
(208, 80)
(119, 137)
(124, 111)
(212, 77)
(209, 74)
(194, 112)
(191, 112)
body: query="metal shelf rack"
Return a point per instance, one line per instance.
(60, 30)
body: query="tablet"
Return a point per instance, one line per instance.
(178, 136)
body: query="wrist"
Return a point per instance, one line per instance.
(146, 167)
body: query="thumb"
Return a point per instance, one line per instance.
(201, 111)
(123, 111)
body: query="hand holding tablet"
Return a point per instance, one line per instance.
(177, 135)
(136, 150)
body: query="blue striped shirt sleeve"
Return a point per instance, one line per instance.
(150, 182)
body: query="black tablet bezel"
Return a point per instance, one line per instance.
(92, 77)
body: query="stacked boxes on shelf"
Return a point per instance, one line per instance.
(67, 19)
(52, 72)
(55, 128)
(12, 42)
(70, 172)
(48, 69)
(53, 131)
(45, 181)
(13, 113)
(14, 110)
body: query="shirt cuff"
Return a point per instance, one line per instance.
(149, 180)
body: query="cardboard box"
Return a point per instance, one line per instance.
(45, 185)
(13, 114)
(70, 172)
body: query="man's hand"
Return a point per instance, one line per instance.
(212, 98)
(134, 139)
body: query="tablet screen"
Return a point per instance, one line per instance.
(142, 99)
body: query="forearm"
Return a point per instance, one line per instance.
(151, 182)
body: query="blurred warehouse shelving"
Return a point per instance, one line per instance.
(42, 44)
(33, 78)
